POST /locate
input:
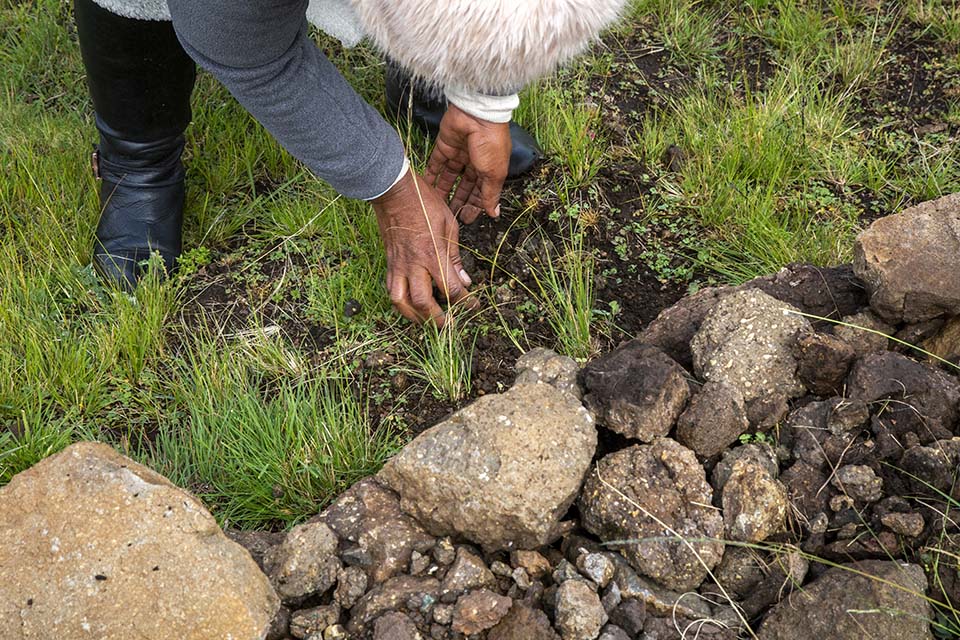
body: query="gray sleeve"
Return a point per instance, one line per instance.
(259, 49)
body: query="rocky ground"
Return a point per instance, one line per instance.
(745, 467)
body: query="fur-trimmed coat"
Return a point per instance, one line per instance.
(486, 46)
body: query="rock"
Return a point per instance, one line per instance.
(351, 585)
(909, 261)
(740, 571)
(828, 292)
(392, 595)
(646, 492)
(636, 391)
(306, 563)
(467, 572)
(847, 606)
(823, 361)
(805, 487)
(566, 571)
(471, 474)
(946, 343)
(715, 418)
(395, 626)
(336, 632)
(521, 578)
(748, 341)
(369, 516)
(280, 626)
(904, 524)
(784, 573)
(757, 453)
(925, 400)
(256, 542)
(532, 562)
(754, 503)
(444, 552)
(931, 470)
(862, 331)
(523, 623)
(96, 545)
(675, 327)
(630, 616)
(612, 632)
(543, 366)
(443, 614)
(478, 611)
(859, 482)
(580, 616)
(598, 567)
(656, 599)
(831, 292)
(306, 622)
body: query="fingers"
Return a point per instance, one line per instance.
(400, 297)
(488, 192)
(462, 195)
(424, 305)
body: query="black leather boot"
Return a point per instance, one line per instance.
(140, 80)
(405, 97)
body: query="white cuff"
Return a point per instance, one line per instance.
(490, 108)
(403, 172)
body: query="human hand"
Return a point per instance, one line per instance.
(421, 239)
(478, 152)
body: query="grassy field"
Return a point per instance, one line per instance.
(698, 143)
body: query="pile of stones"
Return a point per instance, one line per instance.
(762, 459)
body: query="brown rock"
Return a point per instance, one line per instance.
(543, 366)
(909, 261)
(714, 420)
(395, 593)
(754, 503)
(946, 343)
(479, 611)
(760, 454)
(306, 622)
(784, 573)
(905, 524)
(305, 564)
(532, 562)
(859, 482)
(865, 332)
(646, 492)
(98, 546)
(523, 623)
(823, 361)
(467, 572)
(843, 605)
(395, 626)
(636, 391)
(580, 615)
(471, 475)
(369, 516)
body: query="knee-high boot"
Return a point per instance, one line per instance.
(140, 80)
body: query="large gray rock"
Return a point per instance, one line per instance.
(888, 603)
(637, 391)
(910, 261)
(98, 546)
(657, 497)
(500, 472)
(748, 341)
(543, 366)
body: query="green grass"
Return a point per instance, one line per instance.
(211, 377)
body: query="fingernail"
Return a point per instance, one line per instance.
(465, 277)
(496, 212)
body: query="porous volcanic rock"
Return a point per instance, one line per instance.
(754, 503)
(395, 626)
(478, 611)
(546, 367)
(925, 400)
(96, 545)
(637, 391)
(714, 419)
(862, 331)
(523, 622)
(650, 494)
(580, 616)
(823, 363)
(910, 261)
(368, 517)
(748, 340)
(843, 605)
(472, 474)
(397, 593)
(946, 343)
(306, 563)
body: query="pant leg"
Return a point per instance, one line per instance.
(139, 76)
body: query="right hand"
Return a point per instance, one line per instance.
(421, 239)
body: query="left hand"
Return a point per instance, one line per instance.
(477, 152)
